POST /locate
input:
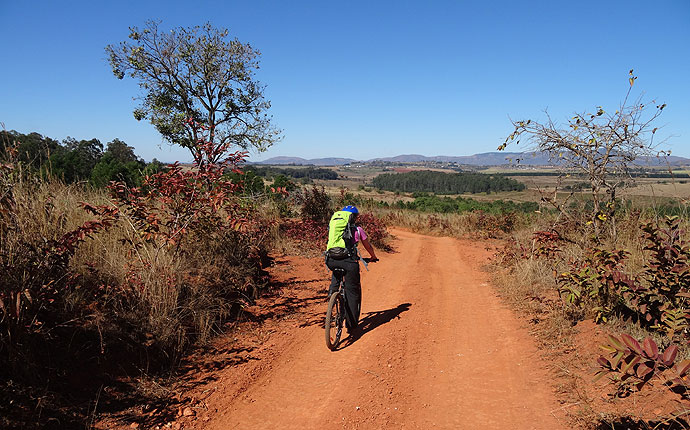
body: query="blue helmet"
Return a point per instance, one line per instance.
(350, 208)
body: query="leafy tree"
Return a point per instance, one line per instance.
(109, 168)
(282, 181)
(33, 149)
(253, 184)
(120, 163)
(198, 74)
(120, 151)
(602, 146)
(74, 160)
(77, 160)
(154, 167)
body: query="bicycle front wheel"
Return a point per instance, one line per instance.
(335, 315)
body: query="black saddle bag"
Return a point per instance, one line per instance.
(338, 253)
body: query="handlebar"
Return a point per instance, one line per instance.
(370, 260)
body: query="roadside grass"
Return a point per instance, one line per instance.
(526, 277)
(474, 224)
(115, 309)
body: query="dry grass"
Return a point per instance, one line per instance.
(529, 284)
(173, 295)
(122, 307)
(468, 224)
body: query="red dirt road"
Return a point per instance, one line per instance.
(438, 350)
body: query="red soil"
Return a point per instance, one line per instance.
(438, 350)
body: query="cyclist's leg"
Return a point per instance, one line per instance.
(332, 264)
(353, 293)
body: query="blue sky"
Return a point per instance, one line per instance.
(361, 79)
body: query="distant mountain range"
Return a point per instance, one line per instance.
(484, 159)
(314, 161)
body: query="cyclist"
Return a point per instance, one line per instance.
(343, 236)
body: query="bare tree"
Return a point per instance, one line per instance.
(602, 146)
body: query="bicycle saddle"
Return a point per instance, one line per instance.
(339, 272)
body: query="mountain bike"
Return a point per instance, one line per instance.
(337, 305)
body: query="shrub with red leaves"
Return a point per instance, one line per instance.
(632, 365)
(314, 234)
(172, 203)
(546, 243)
(512, 252)
(310, 234)
(316, 204)
(494, 226)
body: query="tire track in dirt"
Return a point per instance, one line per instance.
(438, 350)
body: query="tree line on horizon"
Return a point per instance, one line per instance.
(424, 202)
(72, 160)
(445, 183)
(306, 174)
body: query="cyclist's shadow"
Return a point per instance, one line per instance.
(372, 320)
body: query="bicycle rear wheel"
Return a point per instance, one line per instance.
(335, 315)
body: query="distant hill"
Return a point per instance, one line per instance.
(301, 161)
(483, 159)
(507, 158)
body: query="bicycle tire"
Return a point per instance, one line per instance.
(334, 321)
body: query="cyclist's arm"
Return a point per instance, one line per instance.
(369, 248)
